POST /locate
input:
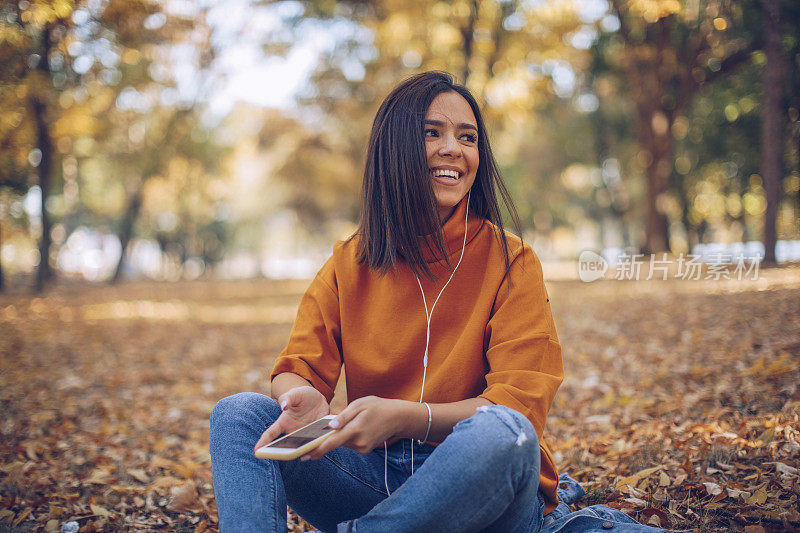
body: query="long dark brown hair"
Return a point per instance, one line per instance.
(399, 204)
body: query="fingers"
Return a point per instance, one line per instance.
(347, 429)
(339, 438)
(343, 418)
(270, 434)
(344, 427)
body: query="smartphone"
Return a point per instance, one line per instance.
(298, 442)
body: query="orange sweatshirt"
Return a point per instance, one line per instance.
(491, 335)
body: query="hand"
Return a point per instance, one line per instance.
(366, 423)
(300, 406)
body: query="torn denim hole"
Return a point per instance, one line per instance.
(507, 418)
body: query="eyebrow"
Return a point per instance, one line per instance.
(462, 126)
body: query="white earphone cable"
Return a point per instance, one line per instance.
(428, 315)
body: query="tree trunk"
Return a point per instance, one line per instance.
(45, 145)
(468, 36)
(158, 156)
(772, 124)
(655, 136)
(126, 231)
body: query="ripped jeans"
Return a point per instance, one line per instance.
(483, 477)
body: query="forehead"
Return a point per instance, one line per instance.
(451, 107)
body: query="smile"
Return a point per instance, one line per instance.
(445, 173)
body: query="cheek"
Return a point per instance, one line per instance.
(474, 160)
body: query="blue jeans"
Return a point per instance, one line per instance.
(483, 477)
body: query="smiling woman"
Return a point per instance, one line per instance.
(444, 427)
(451, 144)
(427, 124)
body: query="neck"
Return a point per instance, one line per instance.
(445, 213)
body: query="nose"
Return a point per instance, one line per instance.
(449, 146)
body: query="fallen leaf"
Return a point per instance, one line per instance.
(139, 475)
(654, 520)
(99, 510)
(655, 517)
(736, 493)
(636, 501)
(164, 482)
(785, 470)
(713, 489)
(99, 476)
(758, 497)
(182, 497)
(634, 479)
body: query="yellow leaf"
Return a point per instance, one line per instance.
(767, 436)
(62, 8)
(139, 475)
(99, 510)
(633, 479)
(52, 525)
(663, 480)
(758, 497)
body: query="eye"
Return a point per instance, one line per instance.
(470, 137)
(430, 132)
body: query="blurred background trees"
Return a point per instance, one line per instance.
(139, 138)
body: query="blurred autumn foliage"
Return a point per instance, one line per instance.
(681, 402)
(136, 140)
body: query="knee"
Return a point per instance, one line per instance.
(243, 406)
(504, 431)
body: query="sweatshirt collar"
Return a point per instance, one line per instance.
(453, 232)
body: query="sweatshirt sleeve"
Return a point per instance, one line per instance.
(521, 344)
(314, 348)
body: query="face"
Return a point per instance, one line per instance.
(451, 144)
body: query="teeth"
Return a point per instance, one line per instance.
(447, 173)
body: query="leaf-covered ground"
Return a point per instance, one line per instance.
(681, 402)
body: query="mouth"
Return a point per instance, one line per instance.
(440, 174)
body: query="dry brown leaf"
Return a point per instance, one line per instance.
(634, 479)
(164, 482)
(631, 349)
(183, 497)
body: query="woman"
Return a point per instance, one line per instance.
(443, 325)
